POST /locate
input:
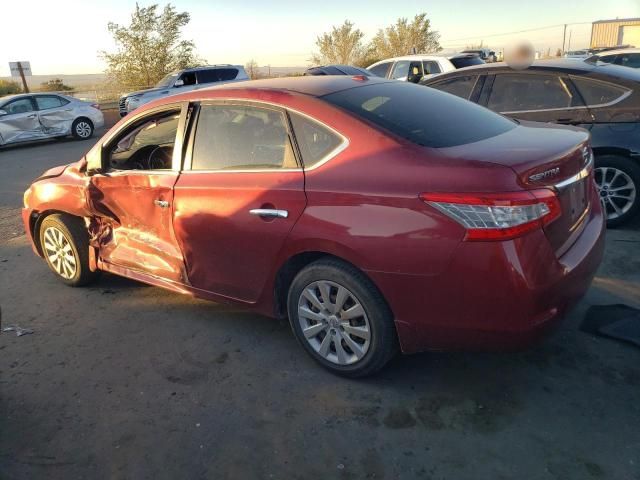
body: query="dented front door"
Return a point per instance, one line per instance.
(134, 211)
(20, 122)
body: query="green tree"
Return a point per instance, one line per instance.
(9, 88)
(55, 85)
(404, 36)
(342, 45)
(150, 47)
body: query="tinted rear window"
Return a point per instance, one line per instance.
(466, 61)
(420, 114)
(596, 92)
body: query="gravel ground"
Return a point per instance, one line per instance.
(121, 380)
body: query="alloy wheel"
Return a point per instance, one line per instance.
(334, 322)
(83, 129)
(59, 253)
(617, 191)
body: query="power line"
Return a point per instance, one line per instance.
(519, 31)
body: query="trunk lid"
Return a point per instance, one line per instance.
(545, 156)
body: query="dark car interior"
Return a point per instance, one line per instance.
(146, 146)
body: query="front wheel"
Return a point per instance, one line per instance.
(341, 319)
(618, 181)
(65, 246)
(82, 128)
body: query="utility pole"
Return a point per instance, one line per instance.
(564, 37)
(569, 44)
(24, 81)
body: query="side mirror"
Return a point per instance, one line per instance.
(94, 160)
(3, 112)
(178, 83)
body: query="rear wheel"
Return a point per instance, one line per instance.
(618, 180)
(341, 319)
(82, 128)
(65, 246)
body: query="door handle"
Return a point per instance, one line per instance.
(161, 203)
(269, 212)
(32, 116)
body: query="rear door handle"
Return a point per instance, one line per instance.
(32, 116)
(161, 203)
(269, 212)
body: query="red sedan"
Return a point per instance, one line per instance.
(374, 214)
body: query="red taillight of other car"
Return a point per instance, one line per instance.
(497, 216)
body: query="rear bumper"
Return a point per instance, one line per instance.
(494, 295)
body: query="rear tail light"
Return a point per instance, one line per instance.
(96, 106)
(497, 216)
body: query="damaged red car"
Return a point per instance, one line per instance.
(375, 215)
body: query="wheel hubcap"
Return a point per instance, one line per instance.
(617, 191)
(83, 129)
(334, 322)
(59, 253)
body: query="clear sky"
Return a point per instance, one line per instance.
(64, 36)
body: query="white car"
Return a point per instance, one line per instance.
(183, 81)
(627, 57)
(411, 68)
(27, 117)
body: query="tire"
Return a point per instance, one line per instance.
(623, 175)
(82, 128)
(352, 355)
(65, 246)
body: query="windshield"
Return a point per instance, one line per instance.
(421, 114)
(167, 81)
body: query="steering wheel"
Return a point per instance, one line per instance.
(160, 158)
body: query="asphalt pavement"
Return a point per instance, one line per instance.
(124, 381)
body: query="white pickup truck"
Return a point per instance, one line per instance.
(183, 81)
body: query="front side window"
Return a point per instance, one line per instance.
(400, 69)
(50, 101)
(431, 67)
(596, 92)
(458, 86)
(316, 141)
(22, 105)
(607, 58)
(422, 115)
(381, 70)
(189, 78)
(525, 92)
(239, 137)
(146, 145)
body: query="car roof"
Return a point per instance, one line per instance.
(417, 56)
(208, 67)
(617, 52)
(342, 69)
(564, 65)
(313, 85)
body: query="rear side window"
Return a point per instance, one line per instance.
(240, 137)
(381, 70)
(50, 101)
(458, 86)
(607, 58)
(217, 75)
(526, 92)
(597, 93)
(316, 141)
(462, 62)
(629, 60)
(422, 115)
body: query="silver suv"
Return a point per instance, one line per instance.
(183, 81)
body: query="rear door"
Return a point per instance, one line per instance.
(539, 97)
(20, 122)
(238, 197)
(55, 114)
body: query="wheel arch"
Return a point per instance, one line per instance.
(35, 221)
(608, 150)
(294, 264)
